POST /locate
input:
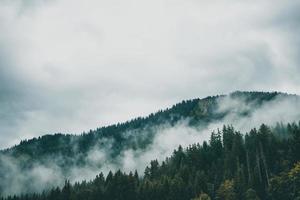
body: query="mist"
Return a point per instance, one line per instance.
(167, 138)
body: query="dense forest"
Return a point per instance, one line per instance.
(261, 164)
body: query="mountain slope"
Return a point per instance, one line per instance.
(131, 145)
(199, 111)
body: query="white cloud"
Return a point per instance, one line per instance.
(68, 66)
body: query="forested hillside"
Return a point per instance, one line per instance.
(231, 165)
(45, 162)
(197, 111)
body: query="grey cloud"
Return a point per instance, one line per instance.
(68, 66)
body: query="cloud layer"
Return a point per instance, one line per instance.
(69, 65)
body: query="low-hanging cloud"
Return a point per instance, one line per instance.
(240, 113)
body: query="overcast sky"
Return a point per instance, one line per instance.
(72, 65)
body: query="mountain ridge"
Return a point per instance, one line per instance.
(198, 111)
(168, 111)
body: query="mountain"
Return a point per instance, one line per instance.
(198, 111)
(48, 160)
(230, 166)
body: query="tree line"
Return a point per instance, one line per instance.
(262, 164)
